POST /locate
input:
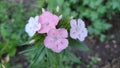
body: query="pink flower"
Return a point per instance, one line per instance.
(56, 40)
(48, 21)
(78, 30)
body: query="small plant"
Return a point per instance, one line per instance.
(93, 61)
(50, 39)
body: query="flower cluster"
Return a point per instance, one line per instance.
(56, 38)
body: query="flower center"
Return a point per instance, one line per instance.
(77, 28)
(47, 23)
(55, 38)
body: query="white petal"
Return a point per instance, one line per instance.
(73, 33)
(37, 25)
(36, 18)
(73, 23)
(85, 32)
(82, 34)
(26, 28)
(81, 23)
(32, 26)
(81, 38)
(29, 31)
(31, 20)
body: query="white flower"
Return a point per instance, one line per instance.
(78, 30)
(32, 26)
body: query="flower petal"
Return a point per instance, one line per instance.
(81, 38)
(55, 40)
(36, 18)
(62, 33)
(29, 30)
(78, 30)
(31, 20)
(82, 34)
(48, 21)
(73, 33)
(60, 45)
(52, 32)
(32, 26)
(81, 23)
(73, 23)
(49, 42)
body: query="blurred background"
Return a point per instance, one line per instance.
(102, 18)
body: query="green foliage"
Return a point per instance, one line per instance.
(14, 16)
(77, 44)
(44, 58)
(93, 10)
(93, 61)
(11, 27)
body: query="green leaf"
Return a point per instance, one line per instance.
(69, 55)
(50, 56)
(1, 65)
(77, 44)
(12, 52)
(39, 54)
(102, 37)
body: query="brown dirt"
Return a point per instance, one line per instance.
(109, 50)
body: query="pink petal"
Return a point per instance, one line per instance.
(45, 29)
(49, 42)
(63, 43)
(52, 32)
(48, 21)
(55, 19)
(55, 39)
(62, 33)
(60, 45)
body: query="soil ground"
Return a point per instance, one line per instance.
(109, 50)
